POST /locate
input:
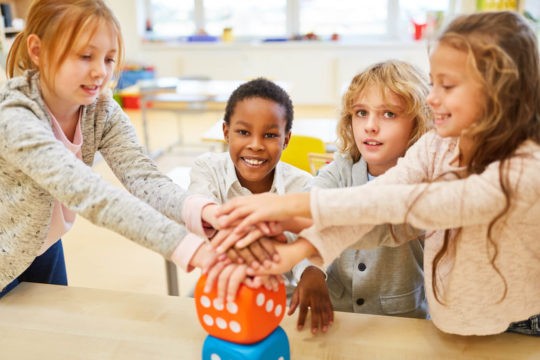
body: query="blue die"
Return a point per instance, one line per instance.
(274, 347)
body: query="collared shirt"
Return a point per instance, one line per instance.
(214, 175)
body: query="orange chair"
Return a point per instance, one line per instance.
(298, 149)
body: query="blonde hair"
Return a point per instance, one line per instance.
(503, 56)
(397, 77)
(60, 24)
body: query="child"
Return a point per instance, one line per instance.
(53, 119)
(473, 182)
(257, 127)
(383, 113)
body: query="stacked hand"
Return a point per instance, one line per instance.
(252, 249)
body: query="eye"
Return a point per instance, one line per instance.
(242, 132)
(389, 115)
(271, 136)
(361, 113)
(86, 57)
(110, 60)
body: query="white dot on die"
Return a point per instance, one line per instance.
(208, 320)
(279, 358)
(269, 305)
(260, 299)
(218, 305)
(232, 307)
(205, 301)
(235, 327)
(277, 310)
(217, 357)
(221, 323)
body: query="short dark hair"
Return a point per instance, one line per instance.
(261, 88)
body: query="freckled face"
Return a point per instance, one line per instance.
(256, 136)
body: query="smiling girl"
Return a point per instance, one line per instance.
(55, 114)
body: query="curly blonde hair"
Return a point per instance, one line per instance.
(397, 77)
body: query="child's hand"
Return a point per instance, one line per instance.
(312, 293)
(289, 254)
(254, 209)
(256, 254)
(227, 238)
(228, 277)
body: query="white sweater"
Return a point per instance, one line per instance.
(468, 283)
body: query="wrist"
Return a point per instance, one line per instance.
(300, 205)
(315, 270)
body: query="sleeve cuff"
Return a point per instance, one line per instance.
(184, 252)
(192, 214)
(299, 269)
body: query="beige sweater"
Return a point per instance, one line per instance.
(470, 286)
(36, 168)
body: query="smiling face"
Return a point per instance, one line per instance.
(84, 74)
(381, 128)
(256, 136)
(456, 96)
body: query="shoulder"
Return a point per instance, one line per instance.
(211, 161)
(21, 92)
(104, 108)
(288, 170)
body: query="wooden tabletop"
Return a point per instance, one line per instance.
(56, 322)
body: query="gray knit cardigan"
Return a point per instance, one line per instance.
(36, 168)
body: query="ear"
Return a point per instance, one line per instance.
(33, 45)
(287, 139)
(226, 132)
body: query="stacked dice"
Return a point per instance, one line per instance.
(247, 328)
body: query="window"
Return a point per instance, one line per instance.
(256, 19)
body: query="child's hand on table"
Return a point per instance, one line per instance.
(312, 294)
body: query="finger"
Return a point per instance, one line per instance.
(327, 316)
(260, 255)
(294, 302)
(269, 248)
(249, 238)
(248, 257)
(302, 313)
(223, 281)
(315, 318)
(229, 241)
(213, 274)
(233, 255)
(264, 228)
(235, 280)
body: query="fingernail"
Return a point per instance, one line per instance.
(219, 249)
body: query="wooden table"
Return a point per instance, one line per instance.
(56, 322)
(322, 128)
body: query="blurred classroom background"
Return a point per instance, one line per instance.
(184, 57)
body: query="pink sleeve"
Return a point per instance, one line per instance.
(184, 252)
(192, 214)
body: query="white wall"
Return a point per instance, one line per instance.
(315, 71)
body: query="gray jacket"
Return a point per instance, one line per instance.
(383, 280)
(36, 168)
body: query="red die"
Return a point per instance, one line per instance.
(253, 315)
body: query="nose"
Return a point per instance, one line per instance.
(98, 70)
(432, 100)
(372, 124)
(256, 144)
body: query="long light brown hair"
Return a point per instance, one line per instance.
(393, 76)
(502, 53)
(60, 25)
